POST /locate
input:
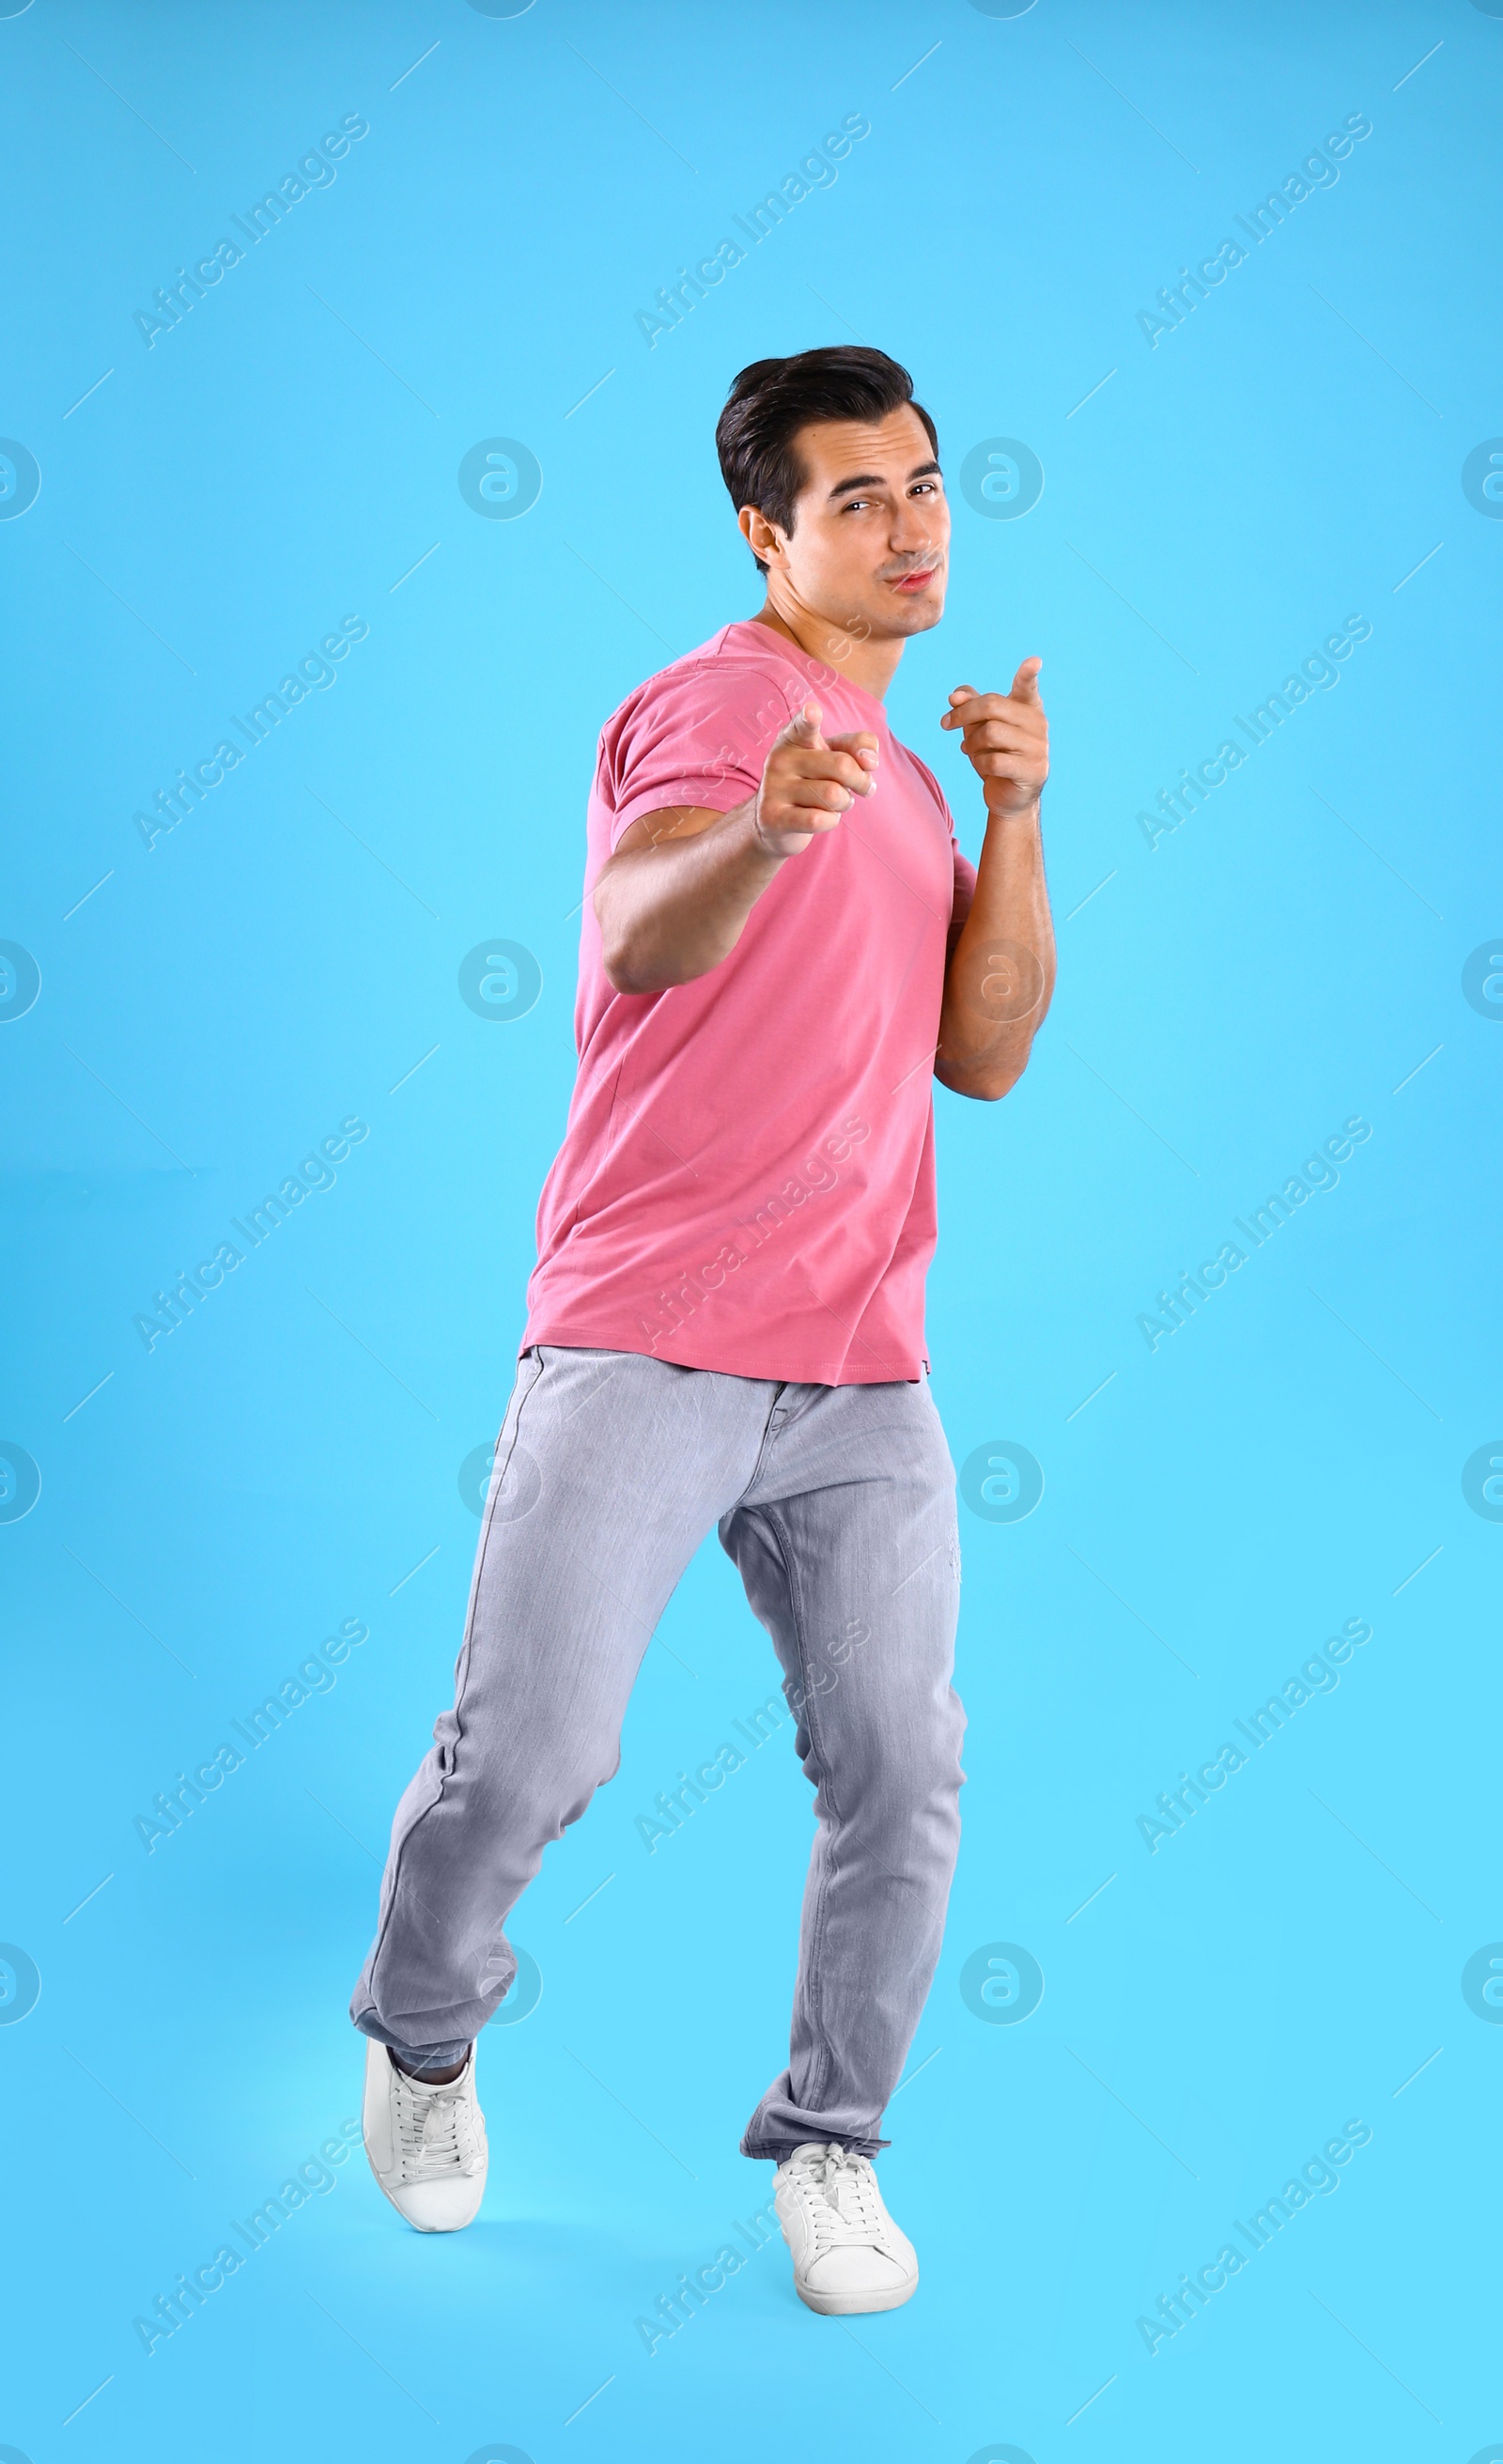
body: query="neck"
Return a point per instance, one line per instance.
(871, 663)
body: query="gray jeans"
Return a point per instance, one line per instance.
(837, 1504)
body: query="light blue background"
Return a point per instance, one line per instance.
(215, 1006)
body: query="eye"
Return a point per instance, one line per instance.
(855, 504)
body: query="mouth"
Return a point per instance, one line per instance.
(911, 583)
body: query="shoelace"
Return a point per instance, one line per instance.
(841, 2196)
(434, 2135)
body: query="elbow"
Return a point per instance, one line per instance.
(621, 955)
(623, 976)
(985, 1065)
(629, 966)
(615, 958)
(991, 1090)
(620, 974)
(981, 1086)
(982, 1081)
(634, 960)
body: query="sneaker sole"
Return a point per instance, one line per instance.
(846, 2305)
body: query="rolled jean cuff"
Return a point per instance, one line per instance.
(423, 2058)
(777, 2153)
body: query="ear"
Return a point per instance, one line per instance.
(761, 537)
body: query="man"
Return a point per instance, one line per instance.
(782, 944)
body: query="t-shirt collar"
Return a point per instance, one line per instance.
(819, 673)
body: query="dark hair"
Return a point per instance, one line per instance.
(773, 399)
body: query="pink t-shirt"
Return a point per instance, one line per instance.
(746, 1182)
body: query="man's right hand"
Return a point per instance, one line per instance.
(673, 899)
(807, 782)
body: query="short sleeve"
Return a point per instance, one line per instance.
(934, 788)
(965, 882)
(964, 889)
(699, 738)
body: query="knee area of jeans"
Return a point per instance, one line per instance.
(901, 1799)
(545, 1809)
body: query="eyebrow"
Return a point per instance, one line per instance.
(875, 480)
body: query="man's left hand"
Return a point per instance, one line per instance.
(1006, 736)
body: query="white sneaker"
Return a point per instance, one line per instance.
(848, 2254)
(425, 2144)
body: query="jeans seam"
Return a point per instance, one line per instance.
(498, 1482)
(463, 1674)
(790, 1558)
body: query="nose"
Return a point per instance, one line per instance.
(915, 531)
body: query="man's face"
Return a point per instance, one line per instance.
(869, 546)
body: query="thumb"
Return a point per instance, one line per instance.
(1026, 683)
(804, 728)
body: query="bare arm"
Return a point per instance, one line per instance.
(1000, 976)
(673, 899)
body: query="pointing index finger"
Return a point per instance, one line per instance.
(803, 727)
(861, 744)
(1026, 683)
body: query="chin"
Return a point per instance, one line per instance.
(918, 615)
